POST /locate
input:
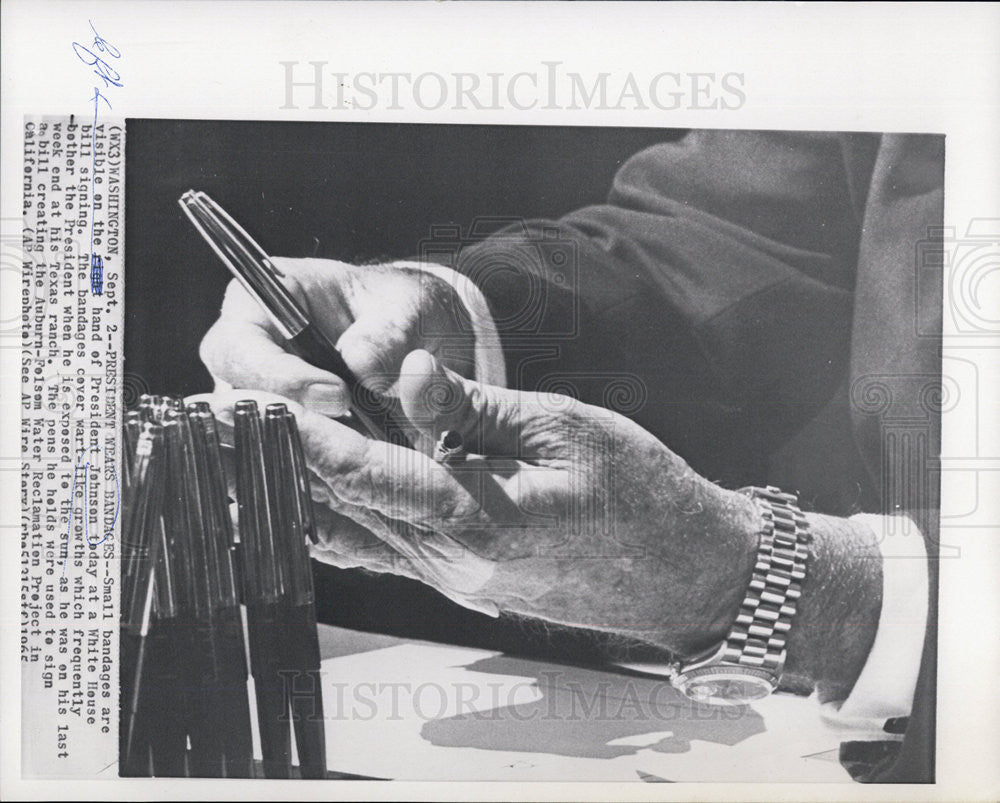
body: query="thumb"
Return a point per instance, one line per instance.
(492, 420)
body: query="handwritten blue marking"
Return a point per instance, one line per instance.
(86, 519)
(111, 77)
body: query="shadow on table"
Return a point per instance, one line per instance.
(588, 713)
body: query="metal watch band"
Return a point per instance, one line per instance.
(758, 637)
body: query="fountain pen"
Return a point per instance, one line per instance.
(249, 263)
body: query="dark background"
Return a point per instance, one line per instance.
(352, 192)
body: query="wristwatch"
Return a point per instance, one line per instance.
(747, 665)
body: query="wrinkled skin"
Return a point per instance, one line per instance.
(562, 511)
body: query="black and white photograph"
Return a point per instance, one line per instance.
(616, 452)
(499, 400)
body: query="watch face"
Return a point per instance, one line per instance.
(729, 686)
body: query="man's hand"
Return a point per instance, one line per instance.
(563, 511)
(376, 315)
(575, 515)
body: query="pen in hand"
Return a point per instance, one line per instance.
(379, 413)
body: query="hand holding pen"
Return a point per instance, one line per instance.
(262, 280)
(374, 315)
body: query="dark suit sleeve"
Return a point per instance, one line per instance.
(716, 284)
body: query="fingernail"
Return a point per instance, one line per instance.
(325, 399)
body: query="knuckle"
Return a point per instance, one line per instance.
(498, 547)
(287, 376)
(296, 278)
(443, 509)
(462, 512)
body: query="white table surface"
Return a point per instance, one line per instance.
(413, 710)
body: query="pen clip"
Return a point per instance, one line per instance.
(246, 260)
(247, 243)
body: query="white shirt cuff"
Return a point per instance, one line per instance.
(491, 368)
(887, 683)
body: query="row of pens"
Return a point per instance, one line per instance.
(201, 599)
